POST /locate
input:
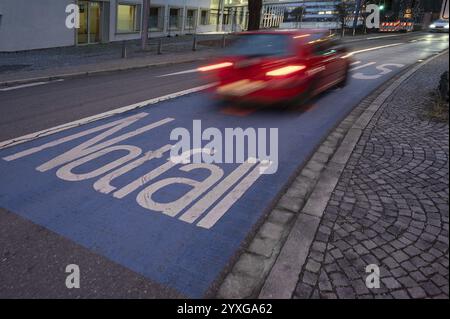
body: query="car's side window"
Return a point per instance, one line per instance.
(324, 47)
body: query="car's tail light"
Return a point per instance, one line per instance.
(286, 70)
(215, 66)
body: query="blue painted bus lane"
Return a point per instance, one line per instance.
(134, 217)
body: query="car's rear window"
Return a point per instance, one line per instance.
(260, 45)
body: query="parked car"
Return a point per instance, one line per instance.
(440, 25)
(273, 67)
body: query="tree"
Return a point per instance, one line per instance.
(342, 12)
(254, 14)
(144, 34)
(417, 11)
(298, 13)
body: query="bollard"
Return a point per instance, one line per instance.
(223, 40)
(124, 50)
(160, 46)
(194, 43)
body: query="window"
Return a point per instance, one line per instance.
(174, 18)
(156, 18)
(204, 19)
(214, 16)
(128, 18)
(260, 45)
(191, 19)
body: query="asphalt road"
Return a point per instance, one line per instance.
(141, 241)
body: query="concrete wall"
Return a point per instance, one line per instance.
(34, 24)
(37, 24)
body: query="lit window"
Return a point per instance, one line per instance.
(128, 18)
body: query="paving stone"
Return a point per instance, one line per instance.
(431, 289)
(237, 286)
(317, 256)
(280, 217)
(263, 246)
(339, 279)
(360, 287)
(439, 280)
(345, 293)
(271, 230)
(312, 266)
(336, 253)
(250, 265)
(400, 294)
(391, 283)
(418, 276)
(390, 262)
(417, 292)
(319, 246)
(303, 291)
(328, 295)
(310, 278)
(407, 281)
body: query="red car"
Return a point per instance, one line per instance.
(271, 67)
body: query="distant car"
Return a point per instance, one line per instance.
(273, 67)
(440, 25)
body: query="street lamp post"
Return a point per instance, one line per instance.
(356, 17)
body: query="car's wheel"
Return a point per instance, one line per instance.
(344, 81)
(306, 96)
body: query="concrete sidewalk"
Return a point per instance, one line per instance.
(23, 77)
(374, 193)
(47, 64)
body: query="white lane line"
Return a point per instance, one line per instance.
(178, 73)
(384, 36)
(362, 66)
(376, 37)
(355, 63)
(86, 120)
(371, 49)
(29, 85)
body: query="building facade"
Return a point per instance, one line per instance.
(305, 13)
(37, 24)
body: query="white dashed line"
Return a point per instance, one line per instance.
(28, 85)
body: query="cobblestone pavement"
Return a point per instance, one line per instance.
(390, 206)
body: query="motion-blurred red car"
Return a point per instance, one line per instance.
(271, 67)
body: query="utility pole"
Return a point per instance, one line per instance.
(145, 17)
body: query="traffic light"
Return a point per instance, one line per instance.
(381, 7)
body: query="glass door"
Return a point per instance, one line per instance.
(83, 30)
(94, 22)
(90, 19)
